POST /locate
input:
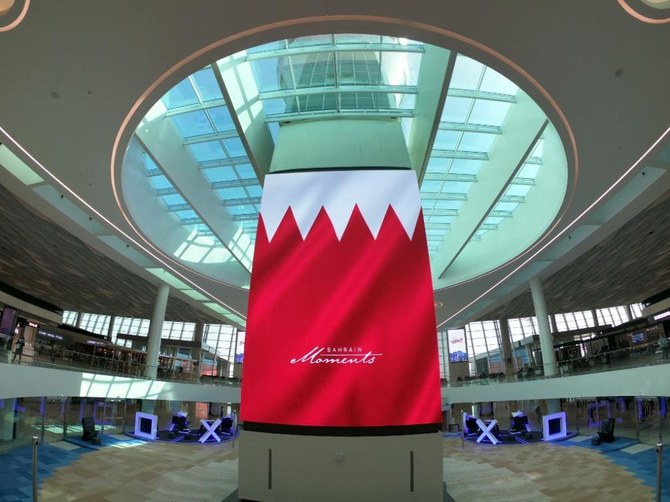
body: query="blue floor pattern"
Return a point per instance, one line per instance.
(105, 440)
(16, 479)
(642, 464)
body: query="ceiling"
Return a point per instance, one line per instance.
(40, 259)
(81, 84)
(627, 267)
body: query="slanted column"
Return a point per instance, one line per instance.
(506, 347)
(155, 330)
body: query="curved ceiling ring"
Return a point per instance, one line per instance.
(10, 8)
(649, 15)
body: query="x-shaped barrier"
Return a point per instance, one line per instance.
(210, 430)
(487, 430)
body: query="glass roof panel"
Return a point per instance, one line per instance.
(518, 190)
(160, 182)
(438, 165)
(466, 166)
(254, 190)
(208, 87)
(193, 124)
(173, 199)
(186, 214)
(243, 209)
(495, 82)
(448, 204)
(245, 171)
(432, 186)
(210, 150)
(180, 95)
(232, 193)
(529, 171)
(487, 112)
(447, 140)
(290, 80)
(467, 73)
(222, 119)
(476, 142)
(266, 75)
(456, 109)
(234, 147)
(222, 173)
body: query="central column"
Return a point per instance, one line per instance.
(340, 389)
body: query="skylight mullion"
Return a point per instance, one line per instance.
(234, 184)
(196, 89)
(215, 103)
(520, 199)
(295, 84)
(491, 96)
(452, 154)
(295, 116)
(523, 181)
(468, 178)
(209, 164)
(382, 47)
(345, 88)
(338, 103)
(241, 202)
(204, 138)
(467, 127)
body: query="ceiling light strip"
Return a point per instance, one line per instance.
(109, 222)
(567, 227)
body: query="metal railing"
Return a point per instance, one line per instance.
(630, 357)
(81, 361)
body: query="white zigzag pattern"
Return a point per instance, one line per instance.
(338, 192)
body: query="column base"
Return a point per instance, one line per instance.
(286, 467)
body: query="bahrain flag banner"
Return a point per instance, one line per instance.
(341, 326)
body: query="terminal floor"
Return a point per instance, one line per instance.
(130, 470)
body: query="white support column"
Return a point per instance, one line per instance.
(506, 347)
(196, 353)
(546, 342)
(155, 330)
(110, 328)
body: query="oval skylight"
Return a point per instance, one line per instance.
(492, 169)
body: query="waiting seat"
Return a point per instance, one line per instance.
(90, 433)
(606, 432)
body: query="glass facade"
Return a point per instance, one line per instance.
(483, 338)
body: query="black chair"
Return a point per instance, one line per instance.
(519, 425)
(606, 432)
(226, 426)
(471, 426)
(89, 431)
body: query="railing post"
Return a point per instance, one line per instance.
(659, 471)
(35, 443)
(462, 432)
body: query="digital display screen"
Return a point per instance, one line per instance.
(8, 321)
(458, 352)
(341, 310)
(637, 338)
